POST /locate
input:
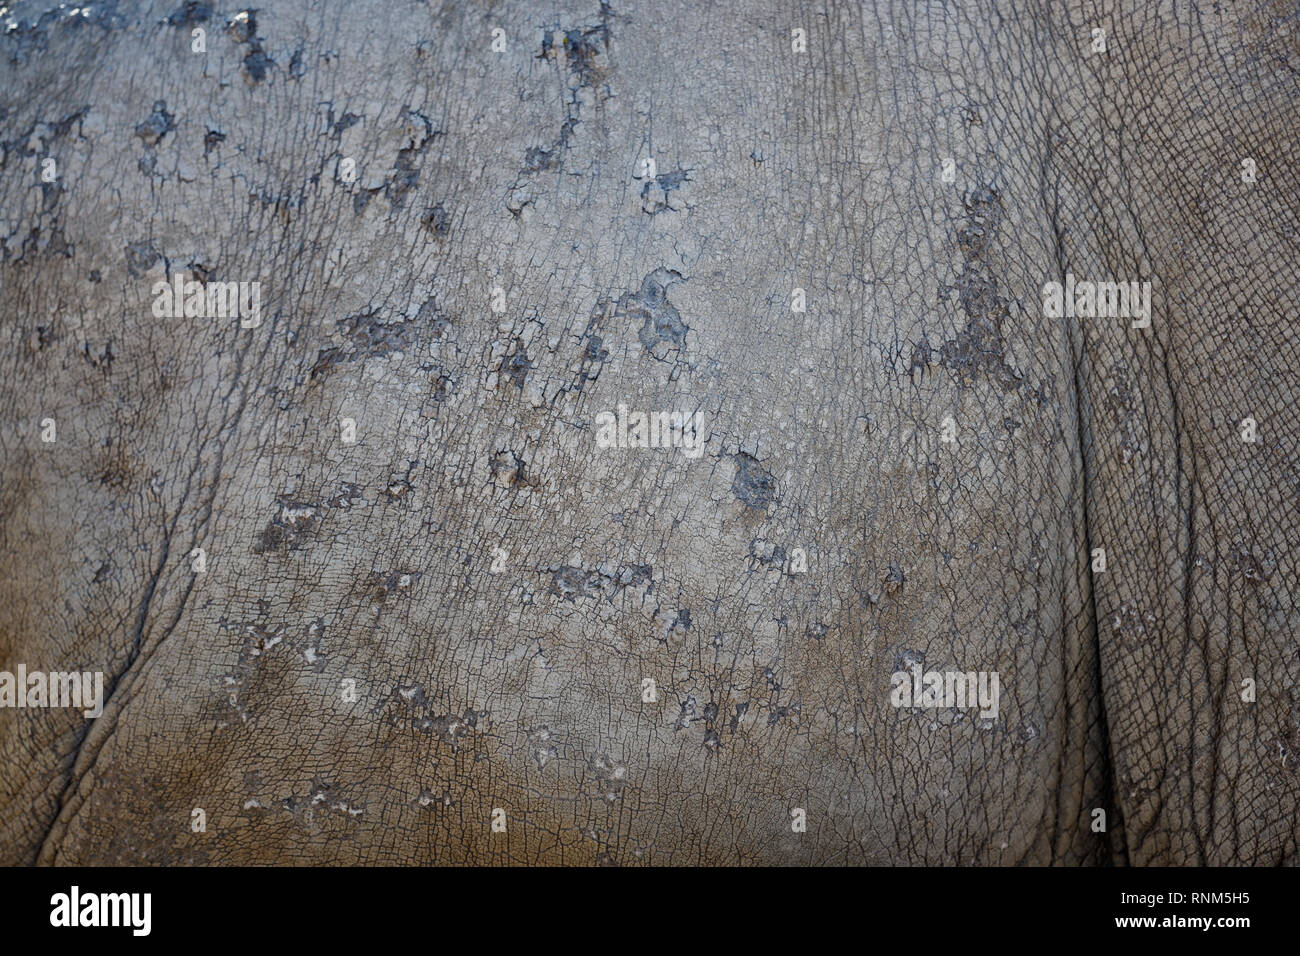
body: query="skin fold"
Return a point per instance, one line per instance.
(495, 268)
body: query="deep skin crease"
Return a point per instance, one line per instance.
(523, 689)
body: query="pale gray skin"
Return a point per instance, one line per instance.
(522, 690)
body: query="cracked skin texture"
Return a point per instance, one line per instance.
(522, 689)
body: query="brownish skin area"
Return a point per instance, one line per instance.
(523, 690)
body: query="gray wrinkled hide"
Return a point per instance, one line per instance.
(523, 690)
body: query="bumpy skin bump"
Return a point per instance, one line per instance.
(522, 690)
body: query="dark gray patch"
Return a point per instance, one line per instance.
(893, 580)
(449, 728)
(257, 63)
(581, 48)
(379, 586)
(291, 529)
(437, 221)
(406, 174)
(516, 366)
(507, 469)
(364, 337)
(687, 713)
(634, 576)
(611, 776)
(158, 125)
(101, 358)
(346, 497)
(32, 34)
(242, 26)
(753, 484)
(298, 521)
(1248, 566)
(346, 121)
(140, 257)
(50, 193)
(433, 319)
(594, 354)
(979, 349)
(442, 382)
(662, 328)
(539, 159)
(984, 217)
(63, 127)
(570, 582)
(190, 14)
(52, 242)
(741, 710)
(20, 144)
(921, 353)
(906, 657)
(398, 488)
(655, 192)
(761, 554)
(584, 50)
